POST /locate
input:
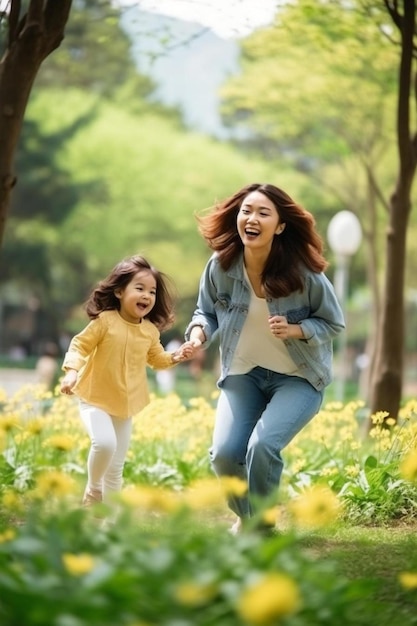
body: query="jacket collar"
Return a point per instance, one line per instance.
(236, 270)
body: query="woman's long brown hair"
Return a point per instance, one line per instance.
(298, 245)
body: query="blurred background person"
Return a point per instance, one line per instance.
(47, 365)
(166, 379)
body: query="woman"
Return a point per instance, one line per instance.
(265, 294)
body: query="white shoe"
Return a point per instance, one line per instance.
(92, 496)
(236, 528)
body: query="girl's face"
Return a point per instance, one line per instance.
(258, 221)
(138, 298)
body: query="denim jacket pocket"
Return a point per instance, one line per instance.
(297, 315)
(223, 302)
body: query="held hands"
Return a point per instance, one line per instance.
(190, 349)
(187, 351)
(69, 381)
(183, 353)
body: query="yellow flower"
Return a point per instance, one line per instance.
(298, 466)
(408, 467)
(316, 507)
(194, 594)
(329, 471)
(10, 498)
(379, 417)
(12, 501)
(53, 484)
(21, 438)
(233, 486)
(35, 426)
(270, 516)
(9, 422)
(64, 443)
(78, 564)
(409, 410)
(352, 470)
(203, 494)
(408, 580)
(149, 499)
(268, 599)
(7, 535)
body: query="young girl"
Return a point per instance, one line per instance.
(106, 365)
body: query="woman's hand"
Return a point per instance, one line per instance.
(69, 381)
(282, 330)
(279, 326)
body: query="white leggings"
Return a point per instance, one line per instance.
(110, 439)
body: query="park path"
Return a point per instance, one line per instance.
(13, 379)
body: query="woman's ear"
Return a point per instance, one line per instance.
(118, 293)
(280, 228)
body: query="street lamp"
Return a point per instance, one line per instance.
(344, 235)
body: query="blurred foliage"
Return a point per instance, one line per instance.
(137, 195)
(104, 173)
(343, 105)
(319, 88)
(95, 54)
(108, 174)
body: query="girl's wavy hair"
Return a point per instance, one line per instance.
(299, 244)
(103, 297)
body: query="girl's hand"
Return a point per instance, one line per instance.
(69, 381)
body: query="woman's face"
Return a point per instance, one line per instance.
(258, 221)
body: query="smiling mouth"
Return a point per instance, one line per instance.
(251, 233)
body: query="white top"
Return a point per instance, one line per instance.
(257, 347)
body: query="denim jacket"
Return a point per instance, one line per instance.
(223, 304)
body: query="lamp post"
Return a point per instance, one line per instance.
(344, 235)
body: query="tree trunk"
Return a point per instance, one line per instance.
(370, 234)
(388, 374)
(31, 38)
(388, 369)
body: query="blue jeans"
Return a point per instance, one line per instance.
(258, 414)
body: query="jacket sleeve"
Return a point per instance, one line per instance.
(158, 358)
(326, 318)
(205, 312)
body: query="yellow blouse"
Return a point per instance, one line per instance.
(111, 356)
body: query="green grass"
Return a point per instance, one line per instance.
(378, 555)
(371, 556)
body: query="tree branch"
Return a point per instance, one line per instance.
(376, 188)
(35, 10)
(392, 8)
(15, 7)
(56, 16)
